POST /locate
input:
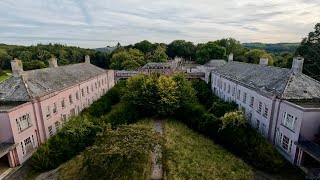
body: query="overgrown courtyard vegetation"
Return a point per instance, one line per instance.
(113, 146)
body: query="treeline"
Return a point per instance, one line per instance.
(36, 57)
(134, 56)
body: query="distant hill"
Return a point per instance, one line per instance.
(274, 48)
(106, 49)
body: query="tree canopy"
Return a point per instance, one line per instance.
(210, 51)
(181, 48)
(310, 50)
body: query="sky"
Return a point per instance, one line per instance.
(98, 23)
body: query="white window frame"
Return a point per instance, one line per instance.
(259, 107)
(252, 101)
(54, 110)
(48, 112)
(63, 103)
(23, 122)
(244, 100)
(289, 121)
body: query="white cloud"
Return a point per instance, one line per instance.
(105, 22)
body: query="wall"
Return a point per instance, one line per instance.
(221, 86)
(19, 137)
(311, 124)
(5, 127)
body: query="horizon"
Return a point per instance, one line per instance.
(101, 23)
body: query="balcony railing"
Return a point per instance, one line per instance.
(5, 146)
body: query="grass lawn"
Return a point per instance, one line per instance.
(2, 78)
(189, 155)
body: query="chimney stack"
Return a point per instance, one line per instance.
(17, 68)
(297, 65)
(53, 62)
(87, 59)
(264, 60)
(230, 58)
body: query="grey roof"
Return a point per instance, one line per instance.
(279, 81)
(215, 63)
(37, 83)
(154, 65)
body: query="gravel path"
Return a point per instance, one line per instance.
(157, 170)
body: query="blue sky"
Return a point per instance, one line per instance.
(97, 23)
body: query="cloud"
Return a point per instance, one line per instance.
(106, 22)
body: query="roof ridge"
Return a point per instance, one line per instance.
(287, 84)
(26, 85)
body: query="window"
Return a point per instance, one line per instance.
(87, 89)
(252, 101)
(22, 147)
(99, 84)
(28, 145)
(23, 122)
(64, 119)
(54, 110)
(224, 86)
(70, 99)
(77, 95)
(229, 88)
(289, 120)
(63, 105)
(50, 130)
(284, 142)
(82, 92)
(238, 96)
(96, 85)
(244, 97)
(48, 113)
(265, 113)
(233, 91)
(263, 130)
(257, 124)
(259, 108)
(57, 125)
(91, 88)
(250, 116)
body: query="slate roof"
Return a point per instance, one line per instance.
(215, 63)
(278, 81)
(40, 82)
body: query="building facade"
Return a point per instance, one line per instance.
(35, 104)
(282, 104)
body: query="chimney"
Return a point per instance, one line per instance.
(53, 62)
(264, 60)
(17, 68)
(230, 58)
(297, 65)
(87, 59)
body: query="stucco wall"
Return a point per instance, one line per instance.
(5, 127)
(19, 137)
(311, 124)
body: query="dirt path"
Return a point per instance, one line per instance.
(157, 169)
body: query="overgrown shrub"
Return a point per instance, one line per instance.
(78, 133)
(233, 133)
(2, 73)
(122, 114)
(123, 153)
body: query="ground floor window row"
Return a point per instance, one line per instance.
(27, 145)
(284, 142)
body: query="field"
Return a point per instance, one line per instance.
(192, 156)
(2, 78)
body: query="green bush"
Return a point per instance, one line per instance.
(2, 73)
(122, 114)
(122, 153)
(73, 138)
(233, 133)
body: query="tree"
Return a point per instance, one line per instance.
(209, 51)
(25, 55)
(232, 46)
(159, 55)
(181, 48)
(34, 64)
(310, 50)
(131, 59)
(144, 46)
(254, 55)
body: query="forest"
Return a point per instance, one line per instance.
(134, 56)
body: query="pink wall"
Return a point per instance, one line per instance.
(5, 127)
(19, 137)
(39, 132)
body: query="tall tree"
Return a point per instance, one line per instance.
(232, 46)
(210, 51)
(159, 55)
(144, 46)
(181, 48)
(310, 50)
(254, 55)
